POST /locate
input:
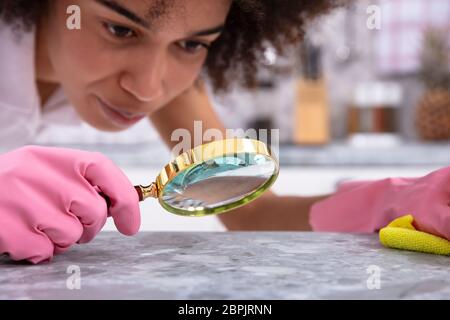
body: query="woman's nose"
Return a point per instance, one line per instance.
(145, 83)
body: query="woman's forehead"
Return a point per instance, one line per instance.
(155, 9)
(155, 14)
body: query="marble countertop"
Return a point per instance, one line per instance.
(343, 154)
(229, 265)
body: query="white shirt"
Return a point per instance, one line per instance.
(21, 116)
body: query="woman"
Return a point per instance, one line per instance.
(132, 60)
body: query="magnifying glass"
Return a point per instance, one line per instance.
(214, 178)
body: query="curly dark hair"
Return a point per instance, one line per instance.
(251, 26)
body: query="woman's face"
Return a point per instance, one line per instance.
(129, 58)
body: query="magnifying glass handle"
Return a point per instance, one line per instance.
(150, 191)
(139, 192)
(107, 199)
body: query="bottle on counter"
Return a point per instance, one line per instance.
(373, 114)
(311, 115)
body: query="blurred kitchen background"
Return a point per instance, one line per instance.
(365, 96)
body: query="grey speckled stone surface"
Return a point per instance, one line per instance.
(231, 266)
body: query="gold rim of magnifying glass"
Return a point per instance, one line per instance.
(204, 153)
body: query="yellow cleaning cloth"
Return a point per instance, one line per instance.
(401, 234)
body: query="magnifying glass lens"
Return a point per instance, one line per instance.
(219, 184)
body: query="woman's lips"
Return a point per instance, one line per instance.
(119, 117)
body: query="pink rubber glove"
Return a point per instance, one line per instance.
(368, 206)
(49, 200)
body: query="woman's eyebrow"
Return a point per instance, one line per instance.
(120, 9)
(208, 32)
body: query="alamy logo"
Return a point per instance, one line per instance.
(374, 19)
(374, 280)
(73, 21)
(73, 282)
(188, 139)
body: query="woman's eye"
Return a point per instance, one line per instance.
(119, 31)
(193, 46)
